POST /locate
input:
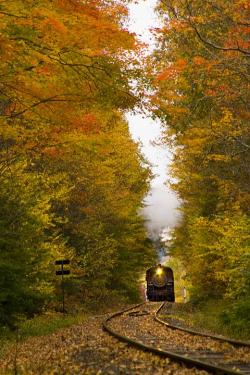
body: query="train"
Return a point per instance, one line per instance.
(160, 284)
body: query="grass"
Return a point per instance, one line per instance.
(49, 323)
(38, 326)
(52, 321)
(211, 317)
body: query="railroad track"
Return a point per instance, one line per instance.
(141, 327)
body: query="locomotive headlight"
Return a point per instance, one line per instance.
(159, 271)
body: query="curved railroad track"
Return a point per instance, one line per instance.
(141, 327)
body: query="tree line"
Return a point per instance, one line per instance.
(201, 77)
(71, 179)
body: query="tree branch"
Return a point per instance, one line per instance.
(55, 98)
(209, 43)
(11, 15)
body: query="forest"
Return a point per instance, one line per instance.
(202, 97)
(72, 181)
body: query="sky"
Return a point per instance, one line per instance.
(161, 203)
(142, 18)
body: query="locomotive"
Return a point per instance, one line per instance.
(160, 284)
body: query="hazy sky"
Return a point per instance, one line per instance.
(161, 203)
(142, 18)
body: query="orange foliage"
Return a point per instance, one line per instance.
(172, 70)
(56, 24)
(199, 60)
(87, 124)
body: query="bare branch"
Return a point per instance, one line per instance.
(11, 15)
(211, 44)
(55, 98)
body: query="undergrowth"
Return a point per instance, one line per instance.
(52, 321)
(218, 317)
(38, 326)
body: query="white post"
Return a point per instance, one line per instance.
(184, 294)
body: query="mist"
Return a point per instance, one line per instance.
(160, 211)
(161, 204)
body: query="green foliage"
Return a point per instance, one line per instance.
(220, 248)
(47, 324)
(71, 178)
(180, 278)
(236, 318)
(28, 243)
(200, 77)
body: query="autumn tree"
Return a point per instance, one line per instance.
(201, 78)
(66, 158)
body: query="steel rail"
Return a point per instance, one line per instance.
(194, 332)
(189, 362)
